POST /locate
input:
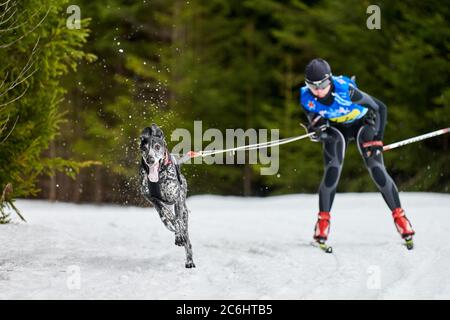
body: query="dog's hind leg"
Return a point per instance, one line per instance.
(183, 215)
(187, 242)
(179, 234)
(179, 213)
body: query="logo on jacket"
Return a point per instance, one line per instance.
(311, 105)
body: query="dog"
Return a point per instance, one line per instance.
(163, 185)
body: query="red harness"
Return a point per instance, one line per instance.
(167, 159)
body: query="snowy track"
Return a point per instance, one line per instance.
(244, 248)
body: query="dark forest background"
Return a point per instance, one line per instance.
(73, 135)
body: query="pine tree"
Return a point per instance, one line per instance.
(36, 49)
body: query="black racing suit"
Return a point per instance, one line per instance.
(335, 142)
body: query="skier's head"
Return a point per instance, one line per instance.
(318, 77)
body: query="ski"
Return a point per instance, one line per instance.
(409, 244)
(323, 246)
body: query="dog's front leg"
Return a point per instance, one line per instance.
(145, 189)
(166, 215)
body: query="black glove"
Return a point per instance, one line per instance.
(372, 148)
(370, 118)
(318, 125)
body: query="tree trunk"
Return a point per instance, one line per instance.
(288, 95)
(53, 178)
(249, 114)
(177, 41)
(78, 187)
(98, 184)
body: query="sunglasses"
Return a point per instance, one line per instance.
(321, 84)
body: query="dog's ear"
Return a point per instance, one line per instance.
(147, 132)
(145, 135)
(157, 132)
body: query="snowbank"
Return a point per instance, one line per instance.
(244, 248)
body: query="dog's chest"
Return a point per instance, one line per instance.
(168, 187)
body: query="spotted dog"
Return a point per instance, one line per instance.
(163, 185)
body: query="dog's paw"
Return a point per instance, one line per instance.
(179, 240)
(190, 264)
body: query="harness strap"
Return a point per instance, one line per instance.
(167, 159)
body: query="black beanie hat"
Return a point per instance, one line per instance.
(317, 69)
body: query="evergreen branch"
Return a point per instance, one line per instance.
(27, 33)
(12, 129)
(4, 124)
(15, 99)
(22, 24)
(6, 8)
(9, 202)
(17, 211)
(4, 3)
(4, 80)
(20, 78)
(2, 22)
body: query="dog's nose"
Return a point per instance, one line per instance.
(151, 160)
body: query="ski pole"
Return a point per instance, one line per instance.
(416, 139)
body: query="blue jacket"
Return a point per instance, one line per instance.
(342, 110)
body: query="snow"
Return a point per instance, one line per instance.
(244, 248)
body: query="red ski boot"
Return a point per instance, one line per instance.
(322, 227)
(403, 226)
(321, 231)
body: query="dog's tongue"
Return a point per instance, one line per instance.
(153, 175)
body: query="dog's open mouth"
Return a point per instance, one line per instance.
(153, 172)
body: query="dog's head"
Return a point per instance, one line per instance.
(153, 149)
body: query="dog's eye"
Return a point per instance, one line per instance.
(157, 147)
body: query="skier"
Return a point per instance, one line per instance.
(338, 112)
